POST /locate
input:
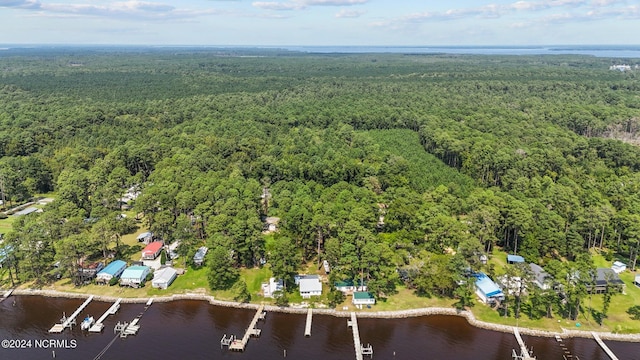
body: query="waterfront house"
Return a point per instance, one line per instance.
(134, 276)
(151, 251)
(605, 277)
(86, 272)
(487, 290)
(363, 298)
(513, 259)
(618, 267)
(198, 258)
(271, 287)
(163, 277)
(348, 287)
(310, 285)
(113, 270)
(540, 277)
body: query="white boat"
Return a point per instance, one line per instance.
(87, 322)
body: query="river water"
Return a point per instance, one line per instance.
(193, 329)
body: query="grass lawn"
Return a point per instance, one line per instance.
(7, 224)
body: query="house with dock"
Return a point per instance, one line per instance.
(134, 276)
(309, 285)
(113, 270)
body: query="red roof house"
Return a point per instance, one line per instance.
(152, 250)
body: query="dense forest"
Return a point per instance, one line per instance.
(396, 168)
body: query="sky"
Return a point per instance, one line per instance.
(320, 22)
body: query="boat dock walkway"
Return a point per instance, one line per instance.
(604, 346)
(307, 327)
(239, 345)
(6, 295)
(360, 349)
(68, 321)
(524, 352)
(125, 329)
(98, 326)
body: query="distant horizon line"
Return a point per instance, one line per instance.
(509, 46)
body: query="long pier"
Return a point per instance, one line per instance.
(524, 352)
(604, 346)
(98, 326)
(307, 327)
(360, 350)
(67, 321)
(239, 345)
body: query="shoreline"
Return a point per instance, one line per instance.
(399, 314)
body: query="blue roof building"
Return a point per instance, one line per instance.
(512, 259)
(487, 290)
(134, 276)
(114, 269)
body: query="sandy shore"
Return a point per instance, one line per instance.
(379, 314)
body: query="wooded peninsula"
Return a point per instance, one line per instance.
(413, 174)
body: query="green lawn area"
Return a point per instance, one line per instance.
(7, 224)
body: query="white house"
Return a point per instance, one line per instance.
(363, 298)
(618, 267)
(310, 285)
(271, 287)
(163, 277)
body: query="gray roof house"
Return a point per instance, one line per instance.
(540, 277)
(310, 285)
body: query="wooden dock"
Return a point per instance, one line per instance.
(239, 345)
(360, 350)
(98, 326)
(307, 327)
(524, 352)
(68, 321)
(6, 295)
(604, 346)
(125, 329)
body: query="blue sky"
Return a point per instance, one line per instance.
(320, 22)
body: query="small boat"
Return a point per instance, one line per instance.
(87, 322)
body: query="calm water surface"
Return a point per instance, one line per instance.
(193, 329)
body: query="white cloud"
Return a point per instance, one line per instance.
(335, 2)
(303, 4)
(344, 13)
(23, 4)
(278, 6)
(550, 11)
(145, 10)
